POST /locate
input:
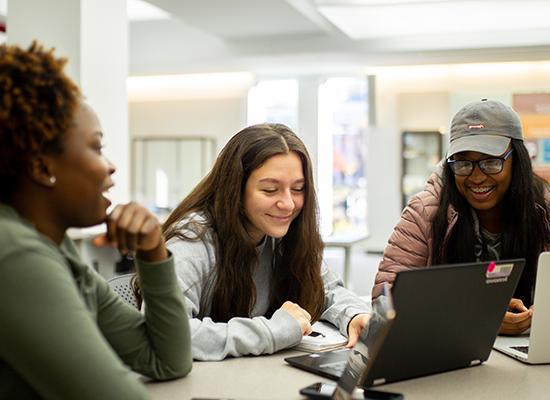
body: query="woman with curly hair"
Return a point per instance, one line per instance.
(64, 333)
(248, 251)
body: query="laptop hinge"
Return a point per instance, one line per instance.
(379, 381)
(475, 362)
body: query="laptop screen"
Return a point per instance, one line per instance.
(365, 351)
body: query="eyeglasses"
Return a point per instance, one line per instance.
(488, 166)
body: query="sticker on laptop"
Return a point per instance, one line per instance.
(497, 273)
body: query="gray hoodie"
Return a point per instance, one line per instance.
(195, 261)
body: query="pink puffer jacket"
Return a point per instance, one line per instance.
(410, 244)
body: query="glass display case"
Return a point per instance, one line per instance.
(420, 153)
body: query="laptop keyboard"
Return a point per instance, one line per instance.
(523, 349)
(336, 368)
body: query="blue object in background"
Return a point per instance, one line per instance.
(546, 150)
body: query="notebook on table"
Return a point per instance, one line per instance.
(447, 317)
(533, 348)
(324, 336)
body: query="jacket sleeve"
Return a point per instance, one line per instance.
(341, 304)
(408, 245)
(239, 336)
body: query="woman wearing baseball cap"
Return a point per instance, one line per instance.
(483, 203)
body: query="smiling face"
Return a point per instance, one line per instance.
(484, 192)
(274, 196)
(82, 172)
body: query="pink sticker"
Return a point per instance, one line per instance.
(492, 266)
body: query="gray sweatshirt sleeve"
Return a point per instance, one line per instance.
(239, 336)
(341, 304)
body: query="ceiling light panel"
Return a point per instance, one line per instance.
(431, 17)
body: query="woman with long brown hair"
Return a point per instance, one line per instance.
(249, 254)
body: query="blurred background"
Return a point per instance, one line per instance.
(369, 85)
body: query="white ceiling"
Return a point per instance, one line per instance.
(286, 35)
(363, 19)
(240, 19)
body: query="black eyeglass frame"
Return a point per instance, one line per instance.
(480, 164)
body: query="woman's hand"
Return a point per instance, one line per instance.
(131, 227)
(300, 315)
(517, 320)
(355, 327)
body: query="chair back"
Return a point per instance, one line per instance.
(122, 285)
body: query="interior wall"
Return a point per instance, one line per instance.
(214, 118)
(422, 111)
(217, 118)
(396, 112)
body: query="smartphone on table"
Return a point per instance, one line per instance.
(325, 390)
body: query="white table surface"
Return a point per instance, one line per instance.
(269, 377)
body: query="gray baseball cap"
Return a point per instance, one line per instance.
(485, 126)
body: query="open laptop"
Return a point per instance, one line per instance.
(533, 348)
(447, 317)
(360, 358)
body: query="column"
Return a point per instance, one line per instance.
(93, 35)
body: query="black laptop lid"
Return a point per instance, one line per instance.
(447, 318)
(364, 353)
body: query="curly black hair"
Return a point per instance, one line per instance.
(37, 105)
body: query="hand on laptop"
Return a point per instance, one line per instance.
(300, 315)
(517, 320)
(355, 327)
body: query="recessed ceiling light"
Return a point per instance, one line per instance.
(370, 19)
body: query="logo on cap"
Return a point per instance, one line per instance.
(478, 126)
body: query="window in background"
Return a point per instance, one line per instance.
(343, 115)
(342, 122)
(274, 101)
(165, 170)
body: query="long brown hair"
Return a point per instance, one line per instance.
(219, 197)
